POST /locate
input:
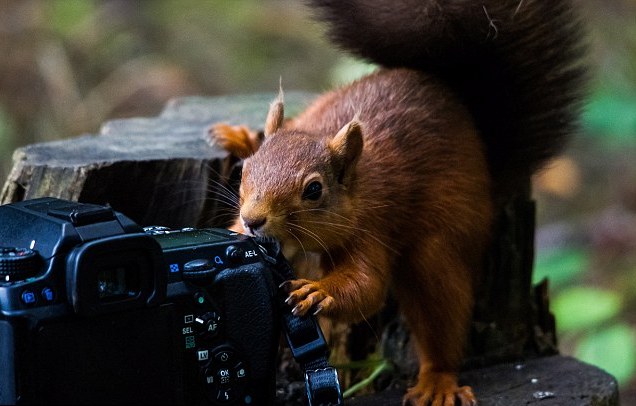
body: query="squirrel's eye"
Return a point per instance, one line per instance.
(312, 191)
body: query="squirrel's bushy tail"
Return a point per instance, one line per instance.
(517, 64)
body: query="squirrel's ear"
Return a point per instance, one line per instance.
(276, 115)
(347, 146)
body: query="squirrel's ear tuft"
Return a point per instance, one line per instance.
(276, 114)
(347, 147)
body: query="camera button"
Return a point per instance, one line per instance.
(224, 356)
(211, 327)
(28, 297)
(203, 355)
(199, 298)
(208, 324)
(240, 372)
(48, 294)
(209, 377)
(224, 377)
(234, 254)
(226, 395)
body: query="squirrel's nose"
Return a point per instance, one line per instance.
(253, 224)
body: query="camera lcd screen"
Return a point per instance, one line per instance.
(180, 240)
(119, 282)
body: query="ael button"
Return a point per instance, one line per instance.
(234, 254)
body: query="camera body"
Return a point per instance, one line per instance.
(95, 309)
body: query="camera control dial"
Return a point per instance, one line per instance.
(199, 269)
(18, 263)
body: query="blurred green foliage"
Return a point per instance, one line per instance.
(594, 323)
(591, 320)
(612, 348)
(612, 116)
(64, 15)
(581, 308)
(560, 266)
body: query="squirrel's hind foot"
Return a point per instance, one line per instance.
(438, 389)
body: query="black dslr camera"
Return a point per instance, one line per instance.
(95, 309)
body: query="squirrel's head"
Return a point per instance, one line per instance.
(299, 187)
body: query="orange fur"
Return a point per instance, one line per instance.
(237, 140)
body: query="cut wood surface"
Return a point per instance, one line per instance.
(546, 381)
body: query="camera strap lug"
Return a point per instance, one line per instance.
(305, 339)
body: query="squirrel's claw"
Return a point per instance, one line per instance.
(439, 389)
(306, 295)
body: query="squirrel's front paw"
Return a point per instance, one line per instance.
(306, 295)
(439, 388)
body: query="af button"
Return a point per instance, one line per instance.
(208, 325)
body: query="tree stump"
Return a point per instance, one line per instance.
(546, 381)
(160, 171)
(156, 170)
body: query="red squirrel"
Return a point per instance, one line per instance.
(394, 179)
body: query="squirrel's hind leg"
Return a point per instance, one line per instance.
(435, 296)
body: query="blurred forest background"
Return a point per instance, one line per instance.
(69, 65)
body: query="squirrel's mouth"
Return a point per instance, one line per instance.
(265, 227)
(289, 233)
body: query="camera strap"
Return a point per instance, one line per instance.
(305, 339)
